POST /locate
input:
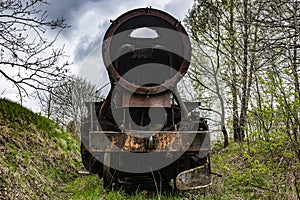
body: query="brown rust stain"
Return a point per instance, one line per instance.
(134, 144)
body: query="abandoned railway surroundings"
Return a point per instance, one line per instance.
(243, 67)
(29, 170)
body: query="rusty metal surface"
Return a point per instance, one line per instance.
(167, 141)
(128, 121)
(195, 178)
(112, 30)
(160, 100)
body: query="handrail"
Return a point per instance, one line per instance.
(149, 132)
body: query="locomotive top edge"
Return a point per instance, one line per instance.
(143, 126)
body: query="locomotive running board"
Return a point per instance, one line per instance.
(195, 178)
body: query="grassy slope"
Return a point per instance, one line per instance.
(40, 161)
(264, 173)
(37, 157)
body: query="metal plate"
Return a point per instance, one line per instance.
(168, 141)
(160, 100)
(195, 178)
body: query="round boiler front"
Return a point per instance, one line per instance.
(146, 51)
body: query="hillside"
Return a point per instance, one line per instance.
(37, 157)
(39, 160)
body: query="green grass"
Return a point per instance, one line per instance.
(39, 160)
(90, 187)
(258, 174)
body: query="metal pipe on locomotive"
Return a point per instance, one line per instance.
(143, 126)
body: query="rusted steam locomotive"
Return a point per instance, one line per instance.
(143, 128)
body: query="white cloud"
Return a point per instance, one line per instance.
(178, 8)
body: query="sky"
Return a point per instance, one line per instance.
(89, 20)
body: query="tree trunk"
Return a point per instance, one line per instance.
(235, 116)
(218, 92)
(243, 115)
(225, 134)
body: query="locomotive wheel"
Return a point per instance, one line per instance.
(90, 163)
(109, 174)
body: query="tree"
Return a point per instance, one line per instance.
(65, 103)
(256, 44)
(226, 34)
(205, 27)
(45, 100)
(27, 56)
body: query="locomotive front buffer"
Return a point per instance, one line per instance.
(189, 144)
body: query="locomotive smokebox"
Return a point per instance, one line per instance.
(146, 51)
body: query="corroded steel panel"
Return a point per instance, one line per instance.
(166, 141)
(161, 100)
(145, 17)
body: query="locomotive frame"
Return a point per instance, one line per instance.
(109, 138)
